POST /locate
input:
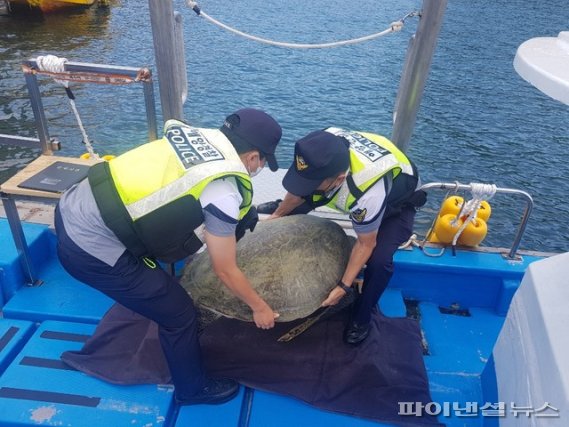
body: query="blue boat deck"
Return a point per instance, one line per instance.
(460, 302)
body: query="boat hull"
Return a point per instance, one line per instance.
(49, 6)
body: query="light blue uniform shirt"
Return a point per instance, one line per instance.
(83, 222)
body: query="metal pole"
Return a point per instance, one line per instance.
(167, 61)
(150, 110)
(21, 141)
(417, 65)
(19, 239)
(181, 74)
(39, 115)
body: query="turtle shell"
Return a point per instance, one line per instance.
(292, 263)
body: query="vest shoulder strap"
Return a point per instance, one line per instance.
(112, 209)
(354, 190)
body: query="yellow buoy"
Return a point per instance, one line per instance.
(451, 205)
(433, 238)
(446, 227)
(474, 232)
(106, 157)
(484, 211)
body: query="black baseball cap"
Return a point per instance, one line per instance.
(317, 156)
(256, 128)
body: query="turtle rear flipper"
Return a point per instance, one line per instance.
(321, 314)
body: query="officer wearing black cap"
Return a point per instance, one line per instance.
(161, 201)
(365, 175)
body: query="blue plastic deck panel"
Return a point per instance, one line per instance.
(13, 336)
(391, 303)
(232, 413)
(38, 239)
(272, 410)
(2, 281)
(459, 344)
(37, 388)
(59, 297)
(459, 348)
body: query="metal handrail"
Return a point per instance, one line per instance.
(22, 141)
(464, 187)
(48, 145)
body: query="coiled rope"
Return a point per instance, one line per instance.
(54, 64)
(480, 192)
(393, 27)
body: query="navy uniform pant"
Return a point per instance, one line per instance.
(393, 232)
(150, 292)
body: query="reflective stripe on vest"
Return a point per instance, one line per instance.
(371, 157)
(183, 162)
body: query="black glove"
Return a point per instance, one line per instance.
(268, 207)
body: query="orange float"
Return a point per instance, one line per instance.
(474, 232)
(447, 224)
(451, 205)
(484, 211)
(106, 157)
(446, 227)
(433, 238)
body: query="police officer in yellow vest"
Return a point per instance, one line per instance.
(365, 175)
(149, 204)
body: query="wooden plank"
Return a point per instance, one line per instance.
(36, 166)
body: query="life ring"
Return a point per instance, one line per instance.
(474, 232)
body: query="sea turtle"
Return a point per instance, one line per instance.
(292, 262)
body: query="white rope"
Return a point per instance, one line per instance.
(480, 192)
(394, 27)
(52, 64)
(55, 64)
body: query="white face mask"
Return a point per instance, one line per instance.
(331, 192)
(256, 171)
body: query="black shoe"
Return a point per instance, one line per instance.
(268, 207)
(355, 334)
(215, 391)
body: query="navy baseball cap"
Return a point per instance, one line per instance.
(317, 156)
(256, 128)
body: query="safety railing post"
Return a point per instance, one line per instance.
(166, 33)
(39, 114)
(416, 70)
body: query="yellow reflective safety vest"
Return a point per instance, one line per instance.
(149, 196)
(371, 158)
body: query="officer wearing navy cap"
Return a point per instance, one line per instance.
(365, 175)
(149, 204)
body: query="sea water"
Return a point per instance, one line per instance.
(478, 121)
